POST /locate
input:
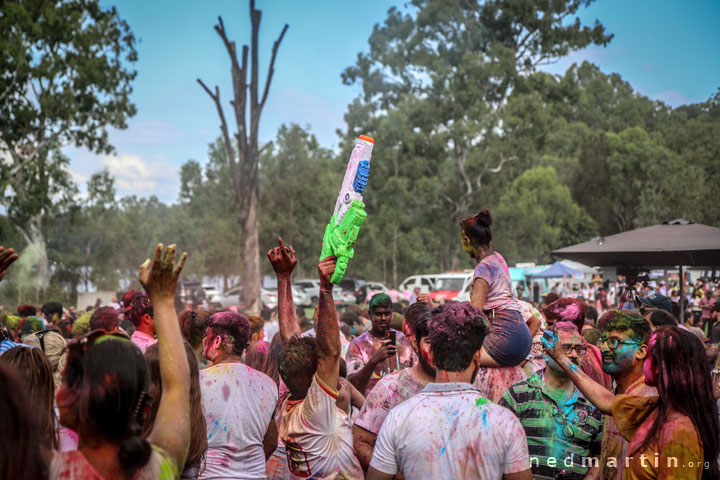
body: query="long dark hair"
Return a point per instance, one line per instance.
(198, 428)
(108, 382)
(20, 441)
(38, 375)
(684, 385)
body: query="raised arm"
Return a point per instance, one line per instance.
(327, 332)
(7, 257)
(283, 261)
(598, 395)
(171, 430)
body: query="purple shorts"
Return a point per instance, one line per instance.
(509, 341)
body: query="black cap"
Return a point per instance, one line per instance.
(656, 301)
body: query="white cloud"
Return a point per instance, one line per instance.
(133, 175)
(77, 177)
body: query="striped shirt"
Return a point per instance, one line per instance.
(560, 437)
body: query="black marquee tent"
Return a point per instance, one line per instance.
(678, 242)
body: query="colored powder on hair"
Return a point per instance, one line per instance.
(570, 312)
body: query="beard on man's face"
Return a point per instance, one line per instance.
(427, 368)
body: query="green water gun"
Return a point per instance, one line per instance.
(349, 215)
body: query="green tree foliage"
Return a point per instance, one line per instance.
(63, 79)
(448, 77)
(206, 218)
(536, 215)
(462, 120)
(299, 182)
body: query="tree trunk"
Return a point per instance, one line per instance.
(251, 255)
(244, 167)
(36, 249)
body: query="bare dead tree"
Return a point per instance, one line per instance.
(243, 163)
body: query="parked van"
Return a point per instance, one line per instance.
(425, 283)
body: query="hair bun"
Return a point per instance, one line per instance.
(134, 452)
(484, 218)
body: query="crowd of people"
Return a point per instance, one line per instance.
(497, 387)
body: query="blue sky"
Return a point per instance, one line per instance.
(665, 49)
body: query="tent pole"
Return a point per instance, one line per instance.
(682, 296)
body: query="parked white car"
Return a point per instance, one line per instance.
(212, 296)
(377, 287)
(230, 298)
(310, 288)
(235, 297)
(426, 283)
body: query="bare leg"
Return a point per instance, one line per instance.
(533, 325)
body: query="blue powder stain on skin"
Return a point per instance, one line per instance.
(573, 367)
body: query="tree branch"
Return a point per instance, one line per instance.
(478, 179)
(271, 68)
(264, 147)
(230, 152)
(239, 75)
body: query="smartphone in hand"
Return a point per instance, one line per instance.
(392, 336)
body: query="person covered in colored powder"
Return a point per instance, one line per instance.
(104, 394)
(449, 430)
(312, 413)
(510, 339)
(395, 388)
(141, 315)
(372, 355)
(238, 402)
(563, 428)
(673, 435)
(573, 311)
(623, 348)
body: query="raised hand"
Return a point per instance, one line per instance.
(159, 277)
(7, 257)
(425, 298)
(282, 259)
(326, 268)
(551, 345)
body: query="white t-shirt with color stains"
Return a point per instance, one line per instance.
(238, 403)
(317, 436)
(389, 392)
(449, 430)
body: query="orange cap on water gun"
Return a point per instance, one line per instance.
(367, 139)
